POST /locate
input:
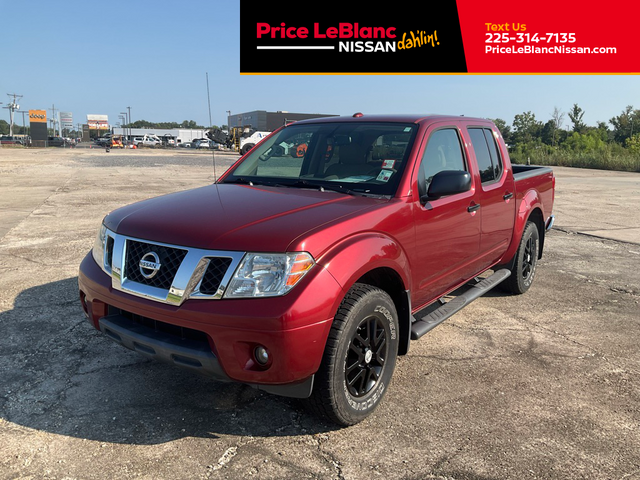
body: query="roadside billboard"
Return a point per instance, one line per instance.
(98, 122)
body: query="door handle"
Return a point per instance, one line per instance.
(473, 208)
(507, 196)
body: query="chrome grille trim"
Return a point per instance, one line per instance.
(187, 280)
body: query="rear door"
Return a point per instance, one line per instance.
(496, 193)
(448, 228)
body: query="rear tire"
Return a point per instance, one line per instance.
(359, 357)
(524, 265)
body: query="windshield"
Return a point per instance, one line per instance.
(365, 158)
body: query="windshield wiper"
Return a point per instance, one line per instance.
(246, 181)
(296, 184)
(322, 188)
(337, 188)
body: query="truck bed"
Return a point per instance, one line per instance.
(520, 172)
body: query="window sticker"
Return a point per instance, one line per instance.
(384, 176)
(388, 163)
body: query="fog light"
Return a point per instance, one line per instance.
(261, 355)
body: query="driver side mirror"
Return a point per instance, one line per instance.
(448, 182)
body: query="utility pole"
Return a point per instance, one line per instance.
(126, 122)
(12, 107)
(129, 120)
(53, 119)
(24, 128)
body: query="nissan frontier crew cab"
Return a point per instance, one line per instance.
(305, 271)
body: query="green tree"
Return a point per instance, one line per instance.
(633, 144)
(505, 130)
(4, 127)
(584, 142)
(575, 115)
(625, 124)
(557, 119)
(526, 128)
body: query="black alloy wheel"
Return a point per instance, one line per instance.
(524, 263)
(528, 262)
(366, 356)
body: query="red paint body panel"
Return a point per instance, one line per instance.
(432, 247)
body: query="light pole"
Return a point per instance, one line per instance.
(129, 119)
(126, 117)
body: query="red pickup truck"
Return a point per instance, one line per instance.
(306, 275)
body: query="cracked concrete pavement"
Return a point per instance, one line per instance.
(544, 385)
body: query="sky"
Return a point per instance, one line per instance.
(154, 57)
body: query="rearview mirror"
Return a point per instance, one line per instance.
(448, 182)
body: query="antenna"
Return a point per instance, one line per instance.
(213, 154)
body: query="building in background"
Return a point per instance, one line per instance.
(264, 121)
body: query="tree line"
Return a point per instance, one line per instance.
(566, 139)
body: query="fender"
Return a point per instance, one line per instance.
(528, 204)
(383, 262)
(351, 258)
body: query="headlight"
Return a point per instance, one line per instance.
(98, 246)
(268, 275)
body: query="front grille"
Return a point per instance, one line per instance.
(169, 258)
(218, 266)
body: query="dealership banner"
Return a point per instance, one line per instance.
(463, 36)
(38, 127)
(38, 116)
(66, 120)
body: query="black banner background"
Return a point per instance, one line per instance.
(447, 56)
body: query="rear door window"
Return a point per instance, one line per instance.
(487, 155)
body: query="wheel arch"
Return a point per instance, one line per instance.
(529, 209)
(377, 260)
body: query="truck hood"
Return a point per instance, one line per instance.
(235, 217)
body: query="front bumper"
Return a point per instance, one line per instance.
(222, 334)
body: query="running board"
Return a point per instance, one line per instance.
(435, 318)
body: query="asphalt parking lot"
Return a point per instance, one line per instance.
(545, 385)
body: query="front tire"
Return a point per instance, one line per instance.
(525, 262)
(247, 147)
(359, 357)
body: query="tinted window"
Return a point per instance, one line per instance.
(483, 157)
(443, 152)
(493, 150)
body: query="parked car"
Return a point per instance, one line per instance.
(9, 140)
(104, 140)
(168, 142)
(307, 276)
(147, 141)
(56, 142)
(203, 144)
